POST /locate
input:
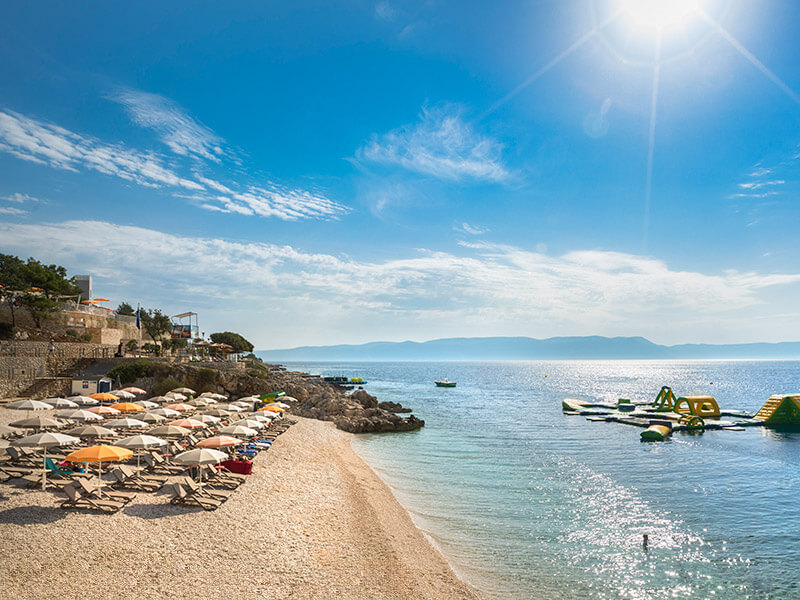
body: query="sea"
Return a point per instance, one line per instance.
(526, 502)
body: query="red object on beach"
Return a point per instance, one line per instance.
(242, 467)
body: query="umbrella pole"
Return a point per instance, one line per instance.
(44, 470)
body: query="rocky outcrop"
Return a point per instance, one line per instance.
(308, 396)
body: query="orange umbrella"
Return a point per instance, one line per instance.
(219, 441)
(180, 407)
(99, 455)
(102, 300)
(103, 396)
(271, 408)
(127, 407)
(188, 423)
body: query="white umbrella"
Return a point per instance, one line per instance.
(127, 422)
(198, 402)
(28, 405)
(44, 441)
(6, 430)
(122, 394)
(238, 431)
(151, 418)
(79, 415)
(139, 442)
(282, 405)
(200, 456)
(160, 399)
(213, 395)
(84, 401)
(37, 422)
(229, 407)
(60, 403)
(91, 431)
(207, 419)
(260, 417)
(165, 412)
(183, 390)
(251, 423)
(218, 412)
(178, 397)
(146, 404)
(170, 431)
(242, 404)
(288, 399)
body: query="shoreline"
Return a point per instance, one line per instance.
(313, 521)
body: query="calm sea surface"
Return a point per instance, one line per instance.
(529, 503)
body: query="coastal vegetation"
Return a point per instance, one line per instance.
(155, 324)
(234, 340)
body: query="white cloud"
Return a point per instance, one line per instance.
(58, 147)
(179, 131)
(10, 210)
(283, 296)
(20, 198)
(441, 144)
(470, 229)
(384, 11)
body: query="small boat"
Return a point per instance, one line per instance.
(445, 383)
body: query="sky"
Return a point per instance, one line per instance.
(311, 173)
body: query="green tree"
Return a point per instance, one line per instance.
(125, 309)
(234, 340)
(13, 282)
(155, 323)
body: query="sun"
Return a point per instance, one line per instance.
(658, 14)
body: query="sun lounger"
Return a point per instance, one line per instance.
(76, 498)
(14, 472)
(180, 495)
(157, 463)
(124, 479)
(192, 486)
(95, 489)
(221, 479)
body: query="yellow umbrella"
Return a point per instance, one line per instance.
(272, 408)
(127, 407)
(103, 396)
(99, 455)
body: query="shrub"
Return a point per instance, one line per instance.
(86, 337)
(71, 333)
(6, 331)
(165, 385)
(131, 371)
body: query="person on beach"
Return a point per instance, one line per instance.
(52, 346)
(119, 349)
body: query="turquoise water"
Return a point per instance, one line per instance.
(529, 503)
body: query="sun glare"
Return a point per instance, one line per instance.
(658, 14)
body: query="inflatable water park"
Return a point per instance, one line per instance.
(668, 413)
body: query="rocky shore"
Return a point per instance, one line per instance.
(308, 395)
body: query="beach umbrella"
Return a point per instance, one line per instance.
(152, 418)
(90, 431)
(200, 456)
(104, 397)
(251, 423)
(175, 397)
(140, 442)
(242, 404)
(288, 399)
(79, 415)
(38, 422)
(238, 431)
(272, 408)
(207, 419)
(29, 405)
(218, 412)
(3, 445)
(180, 407)
(213, 396)
(165, 412)
(169, 431)
(183, 390)
(160, 399)
(219, 441)
(198, 402)
(122, 394)
(188, 423)
(45, 440)
(99, 455)
(127, 422)
(282, 405)
(127, 407)
(84, 401)
(60, 403)
(229, 407)
(134, 390)
(261, 417)
(103, 410)
(6, 430)
(146, 404)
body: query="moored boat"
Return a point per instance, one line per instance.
(445, 383)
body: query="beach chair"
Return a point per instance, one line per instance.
(221, 479)
(8, 472)
(76, 498)
(55, 470)
(158, 464)
(24, 456)
(95, 489)
(180, 495)
(129, 480)
(192, 486)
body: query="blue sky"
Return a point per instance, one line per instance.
(343, 172)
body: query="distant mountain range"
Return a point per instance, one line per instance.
(525, 348)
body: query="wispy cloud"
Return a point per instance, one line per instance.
(183, 134)
(44, 143)
(490, 289)
(470, 229)
(20, 198)
(384, 11)
(11, 210)
(441, 144)
(51, 145)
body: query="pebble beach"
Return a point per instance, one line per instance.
(313, 521)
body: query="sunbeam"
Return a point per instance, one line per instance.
(575, 45)
(651, 142)
(750, 57)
